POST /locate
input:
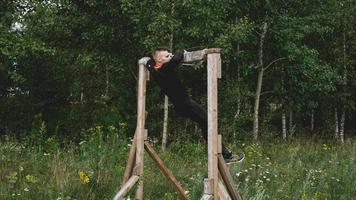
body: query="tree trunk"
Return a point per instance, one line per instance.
(312, 120)
(107, 81)
(165, 124)
(165, 120)
(342, 126)
(284, 128)
(342, 120)
(290, 119)
(284, 100)
(259, 83)
(336, 124)
(291, 124)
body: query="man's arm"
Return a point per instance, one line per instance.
(176, 59)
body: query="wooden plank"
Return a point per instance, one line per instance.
(212, 50)
(193, 56)
(208, 186)
(226, 176)
(213, 60)
(126, 187)
(207, 197)
(141, 97)
(223, 194)
(167, 173)
(130, 161)
(141, 116)
(219, 144)
(218, 66)
(139, 191)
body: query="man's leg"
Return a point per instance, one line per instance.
(196, 113)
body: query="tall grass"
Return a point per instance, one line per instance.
(93, 168)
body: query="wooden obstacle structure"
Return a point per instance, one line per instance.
(214, 188)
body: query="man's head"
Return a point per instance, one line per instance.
(162, 55)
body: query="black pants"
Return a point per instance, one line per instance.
(191, 109)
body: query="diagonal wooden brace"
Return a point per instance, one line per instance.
(167, 173)
(226, 176)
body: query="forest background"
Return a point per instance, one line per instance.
(69, 68)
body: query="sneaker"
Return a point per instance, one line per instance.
(235, 158)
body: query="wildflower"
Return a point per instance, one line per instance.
(31, 179)
(112, 128)
(12, 177)
(325, 147)
(26, 189)
(50, 139)
(84, 177)
(122, 124)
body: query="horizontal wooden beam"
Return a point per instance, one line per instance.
(199, 55)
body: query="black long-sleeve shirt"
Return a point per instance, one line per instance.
(167, 78)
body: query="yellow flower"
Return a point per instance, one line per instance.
(50, 139)
(31, 179)
(325, 147)
(84, 177)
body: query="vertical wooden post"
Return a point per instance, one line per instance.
(214, 63)
(141, 115)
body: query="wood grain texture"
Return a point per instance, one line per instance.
(226, 176)
(213, 63)
(167, 173)
(126, 187)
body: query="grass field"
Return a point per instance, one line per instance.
(93, 169)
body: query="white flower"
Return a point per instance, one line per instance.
(26, 189)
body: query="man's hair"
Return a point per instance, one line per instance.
(159, 49)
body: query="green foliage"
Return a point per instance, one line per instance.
(75, 62)
(93, 169)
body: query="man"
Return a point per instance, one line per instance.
(163, 70)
